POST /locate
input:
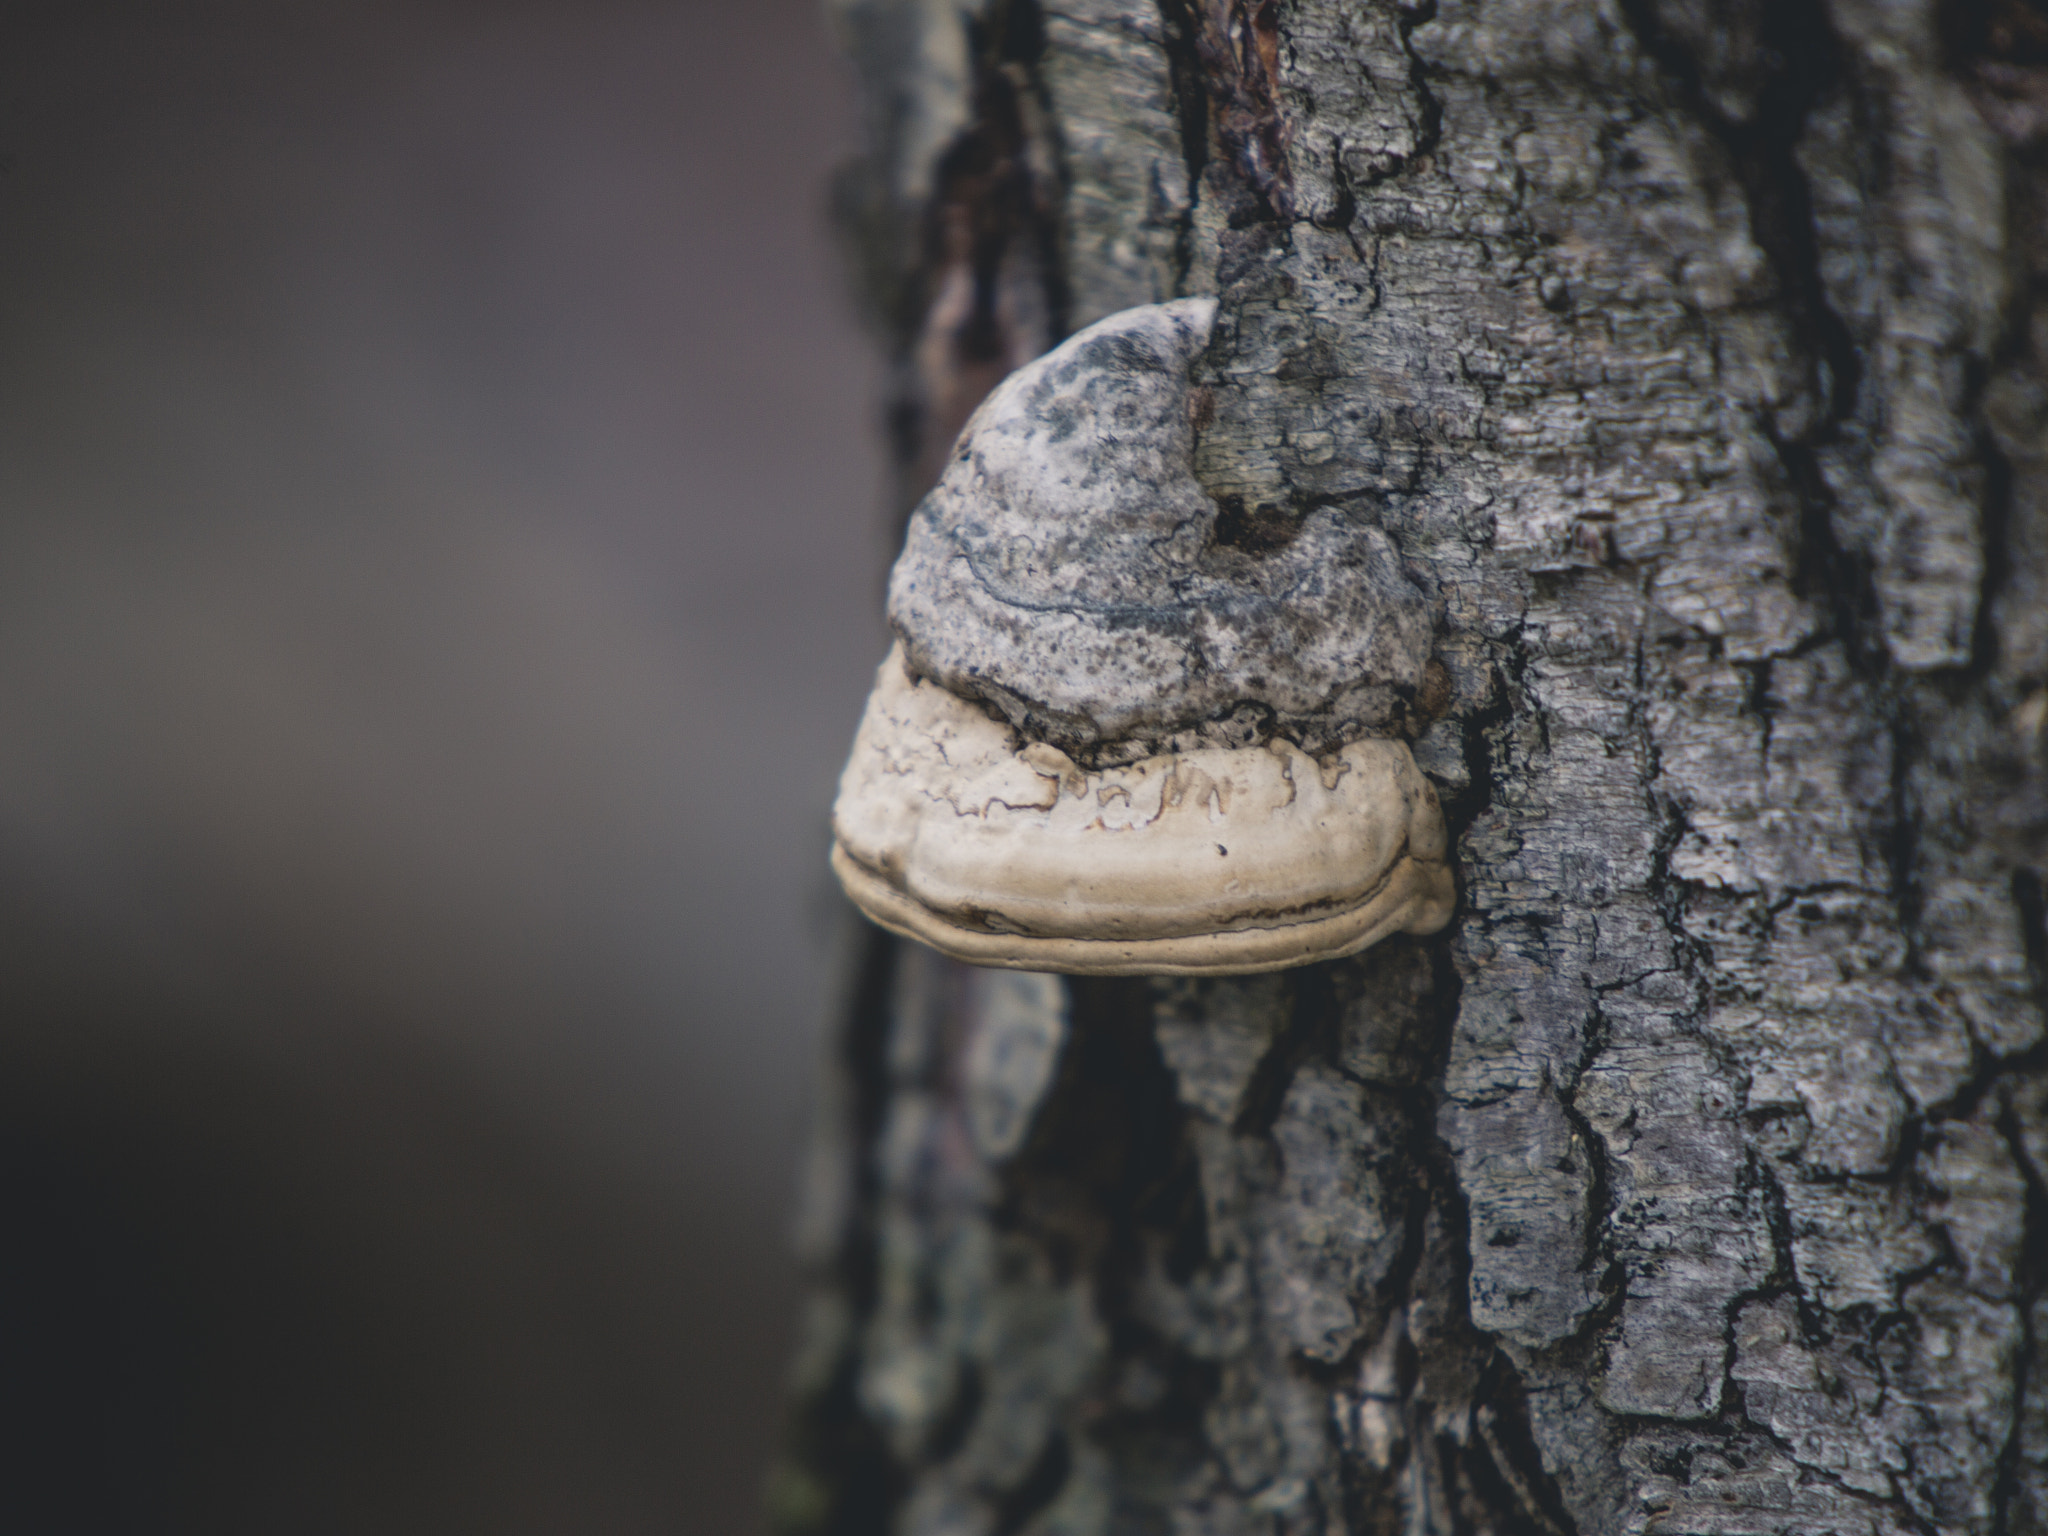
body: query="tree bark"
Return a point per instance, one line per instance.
(1692, 1180)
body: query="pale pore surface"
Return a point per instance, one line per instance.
(1070, 570)
(1217, 859)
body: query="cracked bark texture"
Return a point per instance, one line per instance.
(1692, 1181)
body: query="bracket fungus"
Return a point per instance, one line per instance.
(1111, 740)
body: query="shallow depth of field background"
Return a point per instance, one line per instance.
(440, 548)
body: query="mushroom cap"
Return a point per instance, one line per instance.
(951, 829)
(1070, 570)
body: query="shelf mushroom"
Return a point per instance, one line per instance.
(1125, 730)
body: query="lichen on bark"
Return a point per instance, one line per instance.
(1690, 359)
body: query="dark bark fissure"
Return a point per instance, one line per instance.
(2030, 902)
(1796, 61)
(1997, 504)
(970, 283)
(2033, 1285)
(1310, 1026)
(1021, 49)
(838, 1475)
(1492, 1474)
(1793, 61)
(1105, 1182)
(1510, 1490)
(1521, 1490)
(1048, 1475)
(1432, 125)
(1837, 578)
(1236, 45)
(1597, 1255)
(2009, 31)
(1180, 28)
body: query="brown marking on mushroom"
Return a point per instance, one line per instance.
(1317, 869)
(1186, 783)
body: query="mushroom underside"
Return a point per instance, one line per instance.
(953, 831)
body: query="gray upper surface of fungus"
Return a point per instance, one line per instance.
(1070, 570)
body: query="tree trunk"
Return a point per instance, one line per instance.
(1692, 1180)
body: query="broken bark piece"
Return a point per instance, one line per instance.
(952, 829)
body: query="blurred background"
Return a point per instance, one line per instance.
(440, 559)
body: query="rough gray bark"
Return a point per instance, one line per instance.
(1692, 1181)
